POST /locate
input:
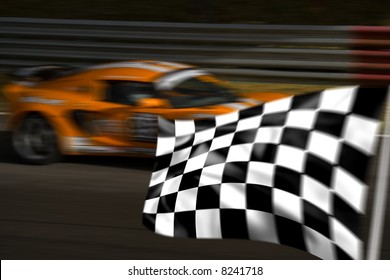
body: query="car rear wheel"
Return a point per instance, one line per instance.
(35, 141)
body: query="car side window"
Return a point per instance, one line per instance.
(128, 93)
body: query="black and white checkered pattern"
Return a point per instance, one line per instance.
(288, 171)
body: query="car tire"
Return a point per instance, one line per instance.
(35, 141)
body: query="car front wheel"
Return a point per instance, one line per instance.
(35, 141)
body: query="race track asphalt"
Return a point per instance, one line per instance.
(91, 208)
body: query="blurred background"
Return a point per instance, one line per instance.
(90, 207)
(324, 12)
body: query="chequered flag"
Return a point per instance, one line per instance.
(289, 171)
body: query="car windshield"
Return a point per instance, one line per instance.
(195, 91)
(128, 93)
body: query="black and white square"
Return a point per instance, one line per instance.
(288, 172)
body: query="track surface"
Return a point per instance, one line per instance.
(90, 208)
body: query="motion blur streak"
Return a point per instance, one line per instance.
(90, 208)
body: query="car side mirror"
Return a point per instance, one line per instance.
(152, 102)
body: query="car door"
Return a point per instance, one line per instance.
(117, 110)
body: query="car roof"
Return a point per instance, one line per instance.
(145, 70)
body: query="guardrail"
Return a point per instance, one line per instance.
(265, 53)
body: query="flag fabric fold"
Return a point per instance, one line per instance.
(289, 172)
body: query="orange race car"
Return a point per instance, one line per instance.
(109, 108)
